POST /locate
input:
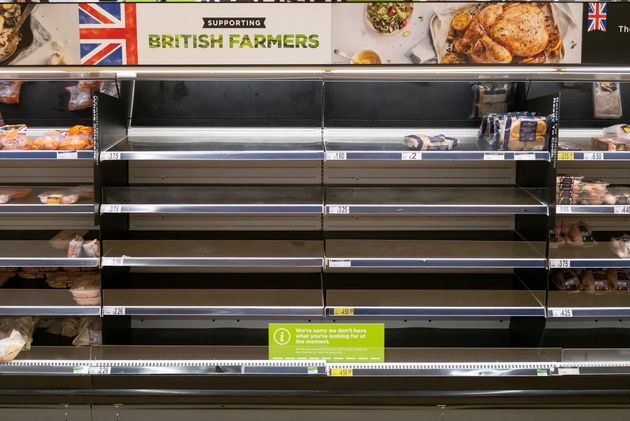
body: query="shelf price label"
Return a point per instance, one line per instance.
(559, 263)
(114, 311)
(343, 311)
(111, 208)
(595, 156)
(339, 210)
(339, 263)
(525, 157)
(622, 209)
(103, 370)
(110, 156)
(411, 156)
(113, 261)
(563, 209)
(340, 372)
(561, 312)
(493, 156)
(336, 156)
(67, 154)
(566, 156)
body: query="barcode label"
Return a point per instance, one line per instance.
(411, 156)
(559, 263)
(339, 209)
(336, 156)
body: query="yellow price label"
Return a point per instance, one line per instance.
(341, 372)
(566, 156)
(343, 311)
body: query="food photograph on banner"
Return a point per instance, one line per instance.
(457, 33)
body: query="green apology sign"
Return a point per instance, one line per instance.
(332, 342)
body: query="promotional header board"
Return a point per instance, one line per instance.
(402, 33)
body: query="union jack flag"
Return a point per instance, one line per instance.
(108, 34)
(596, 17)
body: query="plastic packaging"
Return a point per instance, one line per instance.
(491, 97)
(566, 280)
(618, 279)
(78, 247)
(595, 281)
(617, 196)
(620, 246)
(80, 96)
(525, 133)
(576, 234)
(619, 131)
(86, 291)
(421, 142)
(10, 91)
(90, 332)
(592, 192)
(59, 197)
(16, 334)
(13, 137)
(607, 100)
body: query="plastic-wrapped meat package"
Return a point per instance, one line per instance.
(10, 91)
(49, 142)
(80, 96)
(90, 332)
(16, 334)
(75, 246)
(607, 100)
(109, 87)
(566, 280)
(618, 279)
(59, 197)
(9, 193)
(68, 327)
(422, 142)
(10, 345)
(620, 246)
(595, 281)
(87, 290)
(593, 192)
(617, 196)
(13, 137)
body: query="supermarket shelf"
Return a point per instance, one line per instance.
(435, 303)
(242, 200)
(48, 155)
(47, 361)
(350, 255)
(432, 201)
(387, 144)
(591, 256)
(588, 304)
(164, 143)
(42, 302)
(39, 254)
(581, 138)
(208, 302)
(593, 209)
(32, 204)
(305, 255)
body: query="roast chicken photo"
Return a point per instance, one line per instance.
(503, 33)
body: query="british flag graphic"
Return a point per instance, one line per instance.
(596, 17)
(108, 34)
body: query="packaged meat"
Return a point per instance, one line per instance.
(617, 196)
(86, 291)
(49, 142)
(10, 346)
(618, 279)
(16, 334)
(619, 131)
(90, 332)
(9, 193)
(594, 281)
(566, 280)
(620, 246)
(59, 197)
(576, 234)
(592, 192)
(609, 143)
(10, 91)
(91, 249)
(13, 137)
(80, 96)
(62, 238)
(607, 100)
(421, 142)
(68, 327)
(75, 247)
(110, 87)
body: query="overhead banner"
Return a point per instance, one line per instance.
(401, 33)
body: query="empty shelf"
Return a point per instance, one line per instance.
(589, 304)
(303, 255)
(349, 255)
(46, 361)
(163, 143)
(42, 302)
(224, 200)
(435, 303)
(593, 255)
(218, 302)
(432, 200)
(39, 254)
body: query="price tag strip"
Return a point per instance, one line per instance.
(559, 263)
(441, 369)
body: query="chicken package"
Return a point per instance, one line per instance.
(59, 197)
(10, 345)
(620, 246)
(619, 131)
(594, 281)
(617, 196)
(607, 100)
(422, 142)
(90, 332)
(576, 234)
(13, 137)
(566, 280)
(592, 192)
(48, 142)
(78, 247)
(525, 133)
(10, 91)
(80, 96)
(618, 279)
(62, 238)
(610, 143)
(86, 291)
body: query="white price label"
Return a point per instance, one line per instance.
(336, 156)
(559, 263)
(594, 155)
(339, 263)
(561, 312)
(568, 371)
(563, 209)
(622, 209)
(100, 370)
(525, 157)
(110, 156)
(113, 261)
(339, 210)
(114, 311)
(67, 154)
(411, 156)
(111, 208)
(489, 156)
